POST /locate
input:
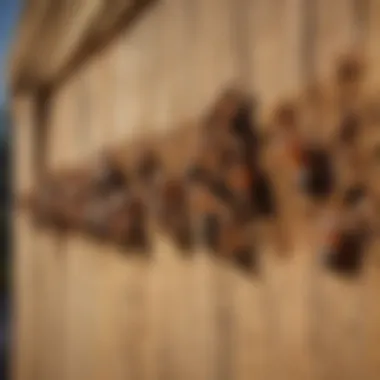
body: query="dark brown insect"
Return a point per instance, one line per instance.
(244, 128)
(175, 212)
(227, 106)
(317, 177)
(286, 116)
(245, 257)
(349, 129)
(128, 224)
(148, 167)
(236, 247)
(108, 176)
(347, 248)
(349, 70)
(211, 230)
(263, 196)
(347, 254)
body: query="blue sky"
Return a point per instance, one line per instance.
(9, 10)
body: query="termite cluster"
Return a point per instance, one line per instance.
(324, 145)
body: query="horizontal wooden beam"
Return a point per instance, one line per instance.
(55, 39)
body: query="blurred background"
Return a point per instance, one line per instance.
(9, 12)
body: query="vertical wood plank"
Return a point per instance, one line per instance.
(49, 285)
(341, 329)
(278, 73)
(80, 288)
(370, 317)
(215, 61)
(23, 265)
(177, 42)
(276, 47)
(249, 341)
(338, 299)
(373, 49)
(24, 347)
(49, 281)
(371, 313)
(214, 70)
(331, 42)
(104, 261)
(244, 292)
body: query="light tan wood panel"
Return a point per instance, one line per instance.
(180, 344)
(373, 49)
(248, 325)
(337, 299)
(371, 312)
(335, 33)
(276, 48)
(80, 327)
(214, 55)
(23, 113)
(135, 74)
(165, 358)
(54, 247)
(165, 74)
(85, 299)
(121, 281)
(50, 261)
(370, 317)
(24, 294)
(24, 336)
(129, 340)
(49, 325)
(135, 77)
(76, 270)
(243, 338)
(278, 73)
(95, 76)
(340, 326)
(214, 69)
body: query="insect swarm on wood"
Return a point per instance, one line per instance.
(315, 171)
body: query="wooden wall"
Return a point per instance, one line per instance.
(87, 311)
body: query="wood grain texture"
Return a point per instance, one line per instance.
(24, 337)
(276, 48)
(102, 313)
(24, 292)
(373, 50)
(331, 42)
(337, 300)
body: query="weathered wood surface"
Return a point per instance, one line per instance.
(23, 263)
(103, 314)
